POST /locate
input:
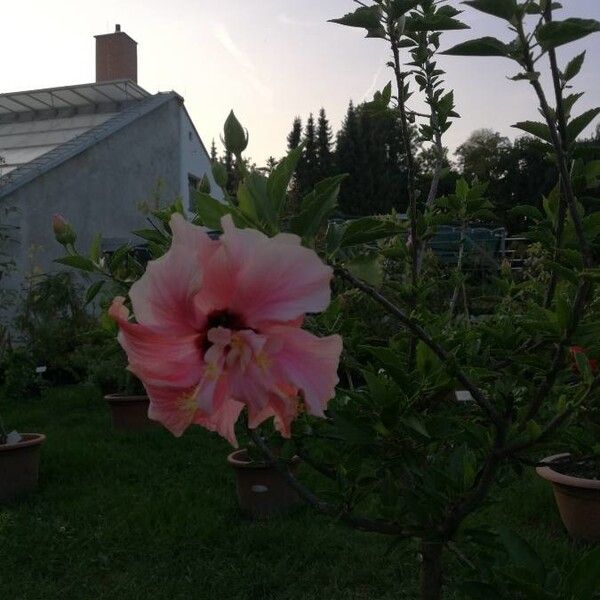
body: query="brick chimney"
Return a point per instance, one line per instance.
(116, 56)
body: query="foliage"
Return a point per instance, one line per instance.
(50, 327)
(95, 497)
(405, 456)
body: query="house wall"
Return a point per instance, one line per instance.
(100, 190)
(195, 159)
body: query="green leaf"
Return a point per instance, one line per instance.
(93, 291)
(316, 207)
(209, 210)
(254, 200)
(583, 366)
(77, 262)
(485, 46)
(368, 229)
(535, 128)
(504, 9)
(564, 272)
(366, 17)
(574, 66)
(557, 33)
(368, 268)
(398, 8)
(582, 581)
(426, 360)
(118, 256)
(578, 124)
(478, 590)
(526, 210)
(563, 311)
(280, 178)
(522, 554)
(591, 225)
(592, 173)
(437, 22)
(569, 101)
(95, 248)
(151, 235)
(416, 425)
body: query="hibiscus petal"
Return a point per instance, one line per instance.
(158, 358)
(173, 407)
(222, 419)
(276, 279)
(308, 363)
(163, 296)
(284, 409)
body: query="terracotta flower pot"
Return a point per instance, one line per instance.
(262, 490)
(578, 500)
(19, 466)
(129, 413)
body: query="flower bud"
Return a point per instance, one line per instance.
(63, 232)
(236, 137)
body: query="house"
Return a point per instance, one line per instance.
(95, 153)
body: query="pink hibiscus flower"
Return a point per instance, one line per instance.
(218, 327)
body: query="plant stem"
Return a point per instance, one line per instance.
(558, 362)
(461, 253)
(357, 521)
(420, 333)
(410, 187)
(561, 153)
(3, 432)
(431, 570)
(559, 139)
(562, 127)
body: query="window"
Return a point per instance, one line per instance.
(193, 186)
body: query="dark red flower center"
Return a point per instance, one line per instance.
(221, 318)
(225, 318)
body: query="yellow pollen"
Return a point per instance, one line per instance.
(262, 360)
(188, 402)
(237, 342)
(212, 371)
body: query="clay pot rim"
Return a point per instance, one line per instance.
(126, 398)
(29, 439)
(568, 480)
(235, 460)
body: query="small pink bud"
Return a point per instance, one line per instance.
(62, 230)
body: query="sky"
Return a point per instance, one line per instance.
(269, 60)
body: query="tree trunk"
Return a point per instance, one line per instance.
(431, 571)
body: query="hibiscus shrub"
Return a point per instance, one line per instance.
(434, 409)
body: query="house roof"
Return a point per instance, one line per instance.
(41, 129)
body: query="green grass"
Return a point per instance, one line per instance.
(150, 516)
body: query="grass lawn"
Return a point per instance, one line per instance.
(151, 516)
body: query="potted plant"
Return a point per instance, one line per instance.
(19, 462)
(576, 485)
(261, 488)
(129, 411)
(125, 395)
(19, 452)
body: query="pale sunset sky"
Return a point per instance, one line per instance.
(269, 60)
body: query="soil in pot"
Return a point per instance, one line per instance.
(129, 413)
(576, 486)
(262, 491)
(19, 466)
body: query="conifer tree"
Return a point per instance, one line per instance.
(324, 154)
(295, 136)
(307, 171)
